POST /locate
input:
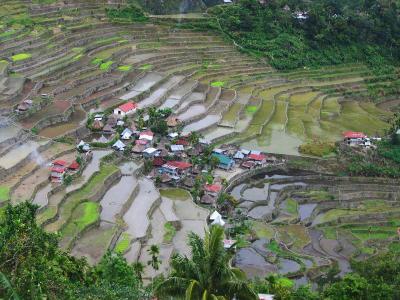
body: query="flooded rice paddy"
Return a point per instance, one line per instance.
(290, 209)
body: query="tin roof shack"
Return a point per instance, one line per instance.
(224, 162)
(126, 109)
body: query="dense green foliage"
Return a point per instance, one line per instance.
(33, 267)
(332, 32)
(130, 13)
(207, 275)
(36, 268)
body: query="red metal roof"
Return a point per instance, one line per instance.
(214, 188)
(353, 135)
(179, 164)
(147, 132)
(74, 166)
(158, 162)
(128, 106)
(58, 169)
(258, 157)
(141, 142)
(59, 162)
(182, 142)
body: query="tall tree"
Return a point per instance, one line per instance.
(207, 274)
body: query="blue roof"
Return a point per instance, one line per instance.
(223, 159)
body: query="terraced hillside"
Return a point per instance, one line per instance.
(75, 55)
(70, 60)
(315, 221)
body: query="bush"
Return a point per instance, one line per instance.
(130, 13)
(319, 149)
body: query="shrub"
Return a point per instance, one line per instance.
(319, 149)
(21, 56)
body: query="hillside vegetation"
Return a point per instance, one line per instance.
(293, 34)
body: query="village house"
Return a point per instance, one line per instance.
(108, 129)
(126, 134)
(176, 149)
(259, 159)
(60, 163)
(172, 121)
(207, 199)
(212, 189)
(176, 168)
(147, 135)
(57, 173)
(158, 162)
(126, 109)
(216, 219)
(98, 117)
(224, 162)
(74, 166)
(353, 138)
(149, 152)
(82, 146)
(118, 145)
(172, 135)
(248, 164)
(138, 148)
(97, 125)
(24, 105)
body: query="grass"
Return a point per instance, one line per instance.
(21, 56)
(318, 148)
(217, 83)
(125, 68)
(146, 67)
(329, 232)
(123, 243)
(174, 193)
(94, 183)
(169, 232)
(150, 45)
(251, 109)
(231, 115)
(395, 247)
(97, 61)
(84, 215)
(317, 195)
(77, 57)
(4, 193)
(291, 206)
(106, 65)
(262, 230)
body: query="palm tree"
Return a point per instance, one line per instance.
(208, 274)
(154, 251)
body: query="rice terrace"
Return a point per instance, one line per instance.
(131, 125)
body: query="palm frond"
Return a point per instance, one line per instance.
(8, 288)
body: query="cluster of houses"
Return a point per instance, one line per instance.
(172, 155)
(60, 168)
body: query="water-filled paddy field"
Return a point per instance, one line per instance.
(301, 223)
